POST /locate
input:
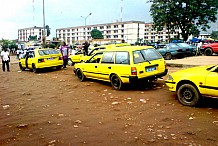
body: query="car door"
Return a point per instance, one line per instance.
(212, 83)
(106, 65)
(91, 66)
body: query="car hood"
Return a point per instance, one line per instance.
(194, 71)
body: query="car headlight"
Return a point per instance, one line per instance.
(170, 77)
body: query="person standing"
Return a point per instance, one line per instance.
(65, 52)
(5, 59)
(86, 46)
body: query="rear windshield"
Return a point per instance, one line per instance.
(47, 52)
(145, 55)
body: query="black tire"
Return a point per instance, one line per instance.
(59, 67)
(188, 95)
(116, 82)
(34, 68)
(21, 67)
(208, 52)
(168, 56)
(80, 75)
(70, 62)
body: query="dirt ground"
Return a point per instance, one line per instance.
(54, 108)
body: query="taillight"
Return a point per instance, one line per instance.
(41, 60)
(60, 58)
(133, 71)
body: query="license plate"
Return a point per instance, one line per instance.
(50, 58)
(150, 69)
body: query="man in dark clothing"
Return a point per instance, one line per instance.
(86, 46)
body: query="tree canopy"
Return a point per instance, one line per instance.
(190, 16)
(96, 34)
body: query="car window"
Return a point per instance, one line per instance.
(145, 55)
(122, 58)
(183, 45)
(47, 52)
(95, 58)
(108, 57)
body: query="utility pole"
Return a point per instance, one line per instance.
(85, 22)
(43, 39)
(121, 11)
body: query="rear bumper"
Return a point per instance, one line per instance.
(133, 79)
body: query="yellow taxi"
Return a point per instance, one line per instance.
(121, 65)
(40, 58)
(80, 57)
(193, 83)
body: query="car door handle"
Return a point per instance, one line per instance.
(109, 67)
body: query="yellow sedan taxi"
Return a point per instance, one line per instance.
(41, 58)
(121, 65)
(194, 83)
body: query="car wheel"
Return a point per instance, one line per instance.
(34, 68)
(59, 67)
(168, 56)
(21, 67)
(188, 95)
(80, 75)
(116, 82)
(208, 52)
(70, 62)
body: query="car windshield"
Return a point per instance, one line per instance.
(211, 67)
(183, 45)
(145, 55)
(47, 52)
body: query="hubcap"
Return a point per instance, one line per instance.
(188, 95)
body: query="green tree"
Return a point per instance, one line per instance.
(96, 34)
(32, 38)
(214, 35)
(48, 31)
(190, 16)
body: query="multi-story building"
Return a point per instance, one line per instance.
(130, 31)
(25, 33)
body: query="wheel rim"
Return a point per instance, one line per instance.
(79, 75)
(115, 81)
(168, 56)
(208, 52)
(187, 95)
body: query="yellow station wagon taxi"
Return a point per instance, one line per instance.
(120, 65)
(194, 83)
(40, 58)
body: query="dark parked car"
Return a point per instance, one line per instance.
(168, 51)
(189, 49)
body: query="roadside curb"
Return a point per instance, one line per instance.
(180, 65)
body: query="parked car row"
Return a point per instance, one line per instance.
(132, 65)
(176, 50)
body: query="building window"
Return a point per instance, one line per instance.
(115, 36)
(101, 27)
(108, 27)
(115, 26)
(115, 31)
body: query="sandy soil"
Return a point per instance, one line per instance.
(55, 108)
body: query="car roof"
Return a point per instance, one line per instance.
(129, 48)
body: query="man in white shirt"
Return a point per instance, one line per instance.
(5, 59)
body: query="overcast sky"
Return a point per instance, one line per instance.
(18, 14)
